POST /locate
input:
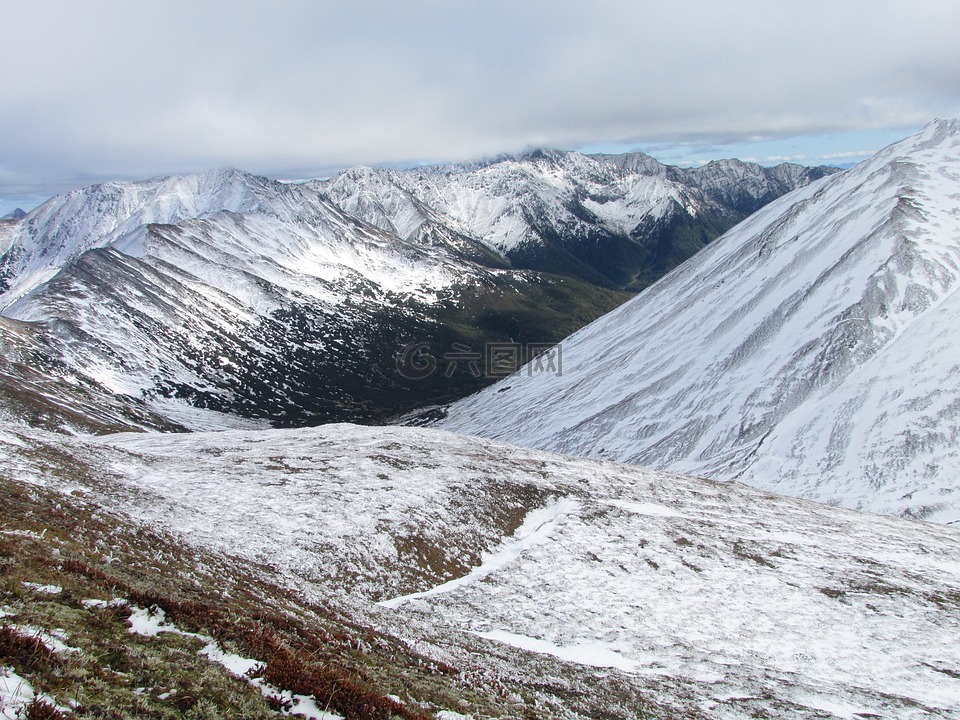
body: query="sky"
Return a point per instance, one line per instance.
(109, 89)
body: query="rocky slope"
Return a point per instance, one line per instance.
(615, 220)
(356, 298)
(227, 292)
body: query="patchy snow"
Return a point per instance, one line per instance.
(745, 600)
(44, 589)
(97, 603)
(15, 694)
(53, 640)
(536, 529)
(595, 653)
(644, 508)
(151, 622)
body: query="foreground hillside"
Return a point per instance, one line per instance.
(811, 350)
(532, 584)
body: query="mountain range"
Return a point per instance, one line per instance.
(619, 221)
(811, 350)
(223, 295)
(362, 571)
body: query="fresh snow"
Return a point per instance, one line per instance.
(15, 694)
(507, 203)
(53, 640)
(595, 653)
(811, 350)
(746, 602)
(536, 528)
(151, 622)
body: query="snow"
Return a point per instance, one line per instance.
(151, 622)
(724, 590)
(509, 203)
(810, 350)
(15, 694)
(53, 640)
(97, 603)
(644, 508)
(536, 528)
(594, 653)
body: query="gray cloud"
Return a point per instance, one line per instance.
(118, 89)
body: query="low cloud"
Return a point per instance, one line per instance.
(118, 89)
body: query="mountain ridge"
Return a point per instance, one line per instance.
(293, 303)
(606, 219)
(715, 369)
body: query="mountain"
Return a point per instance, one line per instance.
(192, 301)
(14, 214)
(811, 350)
(619, 221)
(465, 578)
(231, 293)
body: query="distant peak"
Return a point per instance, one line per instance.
(14, 215)
(633, 161)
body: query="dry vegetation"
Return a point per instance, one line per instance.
(68, 543)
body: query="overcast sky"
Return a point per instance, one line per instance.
(96, 90)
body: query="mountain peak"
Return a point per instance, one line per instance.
(786, 354)
(14, 214)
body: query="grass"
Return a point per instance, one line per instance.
(326, 649)
(345, 653)
(48, 539)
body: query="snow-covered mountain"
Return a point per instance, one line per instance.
(812, 350)
(616, 220)
(222, 291)
(229, 292)
(591, 589)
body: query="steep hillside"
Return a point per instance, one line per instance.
(620, 221)
(235, 294)
(225, 294)
(467, 576)
(811, 350)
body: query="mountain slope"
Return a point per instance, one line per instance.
(811, 350)
(589, 589)
(236, 294)
(618, 221)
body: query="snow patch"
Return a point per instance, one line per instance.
(151, 622)
(590, 652)
(535, 529)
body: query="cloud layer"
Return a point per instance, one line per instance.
(120, 89)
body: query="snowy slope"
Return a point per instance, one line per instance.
(562, 211)
(66, 226)
(238, 294)
(703, 596)
(811, 350)
(229, 292)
